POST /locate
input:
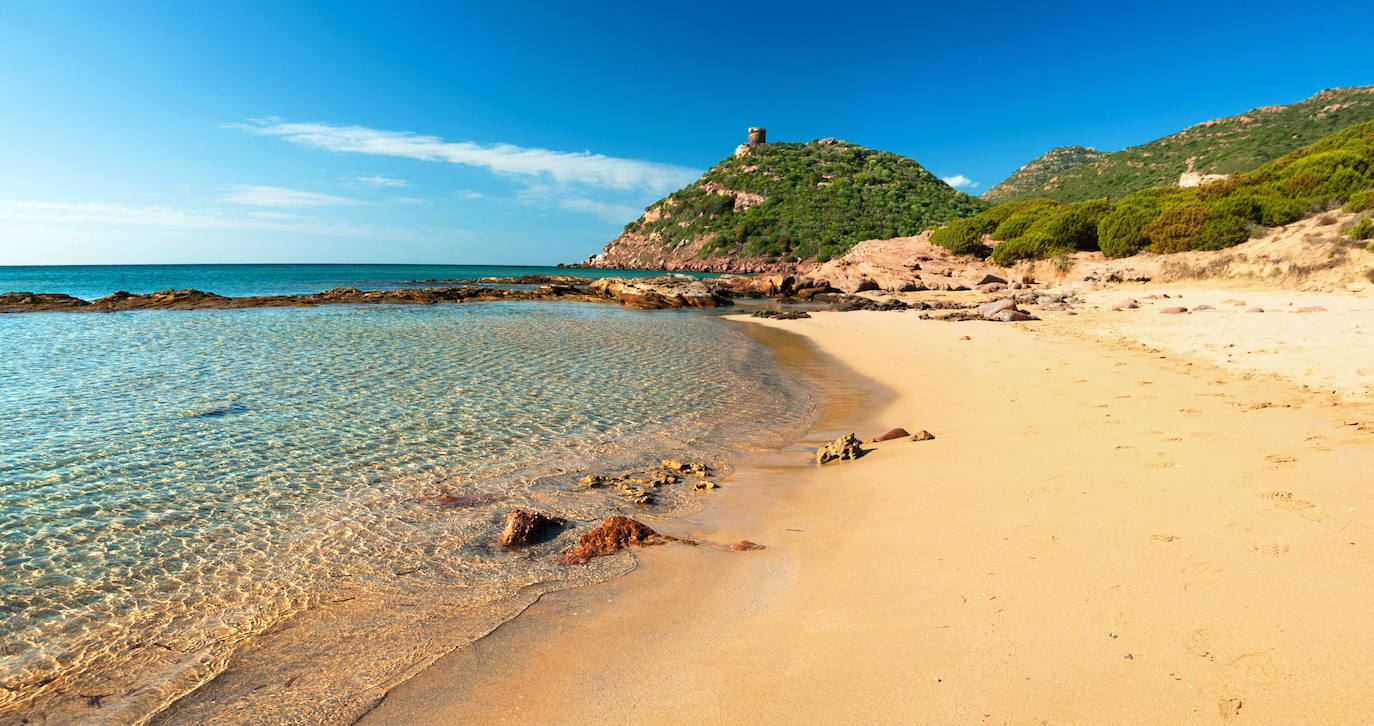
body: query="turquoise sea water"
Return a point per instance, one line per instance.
(192, 494)
(92, 281)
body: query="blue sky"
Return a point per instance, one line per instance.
(529, 133)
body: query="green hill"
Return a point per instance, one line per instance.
(1335, 171)
(1223, 146)
(788, 201)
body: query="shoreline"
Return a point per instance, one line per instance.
(1094, 535)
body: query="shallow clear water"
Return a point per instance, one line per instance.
(89, 282)
(176, 485)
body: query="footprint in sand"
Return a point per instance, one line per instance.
(1200, 575)
(1273, 550)
(1163, 538)
(1189, 411)
(1286, 500)
(1280, 460)
(1230, 707)
(1161, 465)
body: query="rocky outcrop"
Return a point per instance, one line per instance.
(908, 264)
(845, 448)
(652, 293)
(663, 291)
(526, 528)
(745, 545)
(922, 435)
(612, 536)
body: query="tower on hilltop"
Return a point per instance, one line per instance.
(757, 136)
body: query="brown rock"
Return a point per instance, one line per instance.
(613, 535)
(922, 435)
(706, 486)
(745, 545)
(897, 433)
(1126, 305)
(1255, 310)
(845, 448)
(526, 528)
(687, 467)
(1173, 311)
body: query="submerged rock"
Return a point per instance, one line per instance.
(845, 448)
(526, 528)
(612, 536)
(448, 501)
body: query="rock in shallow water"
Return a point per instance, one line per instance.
(526, 528)
(612, 536)
(845, 448)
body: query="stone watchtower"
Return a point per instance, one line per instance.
(757, 137)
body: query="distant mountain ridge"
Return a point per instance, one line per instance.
(769, 206)
(1221, 146)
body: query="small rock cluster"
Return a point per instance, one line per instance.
(638, 485)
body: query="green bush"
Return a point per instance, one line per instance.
(1363, 230)
(1030, 246)
(1020, 221)
(1122, 233)
(1174, 228)
(1218, 233)
(1075, 225)
(962, 237)
(1360, 201)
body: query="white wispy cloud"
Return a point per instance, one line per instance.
(959, 181)
(563, 167)
(382, 182)
(617, 213)
(410, 200)
(469, 194)
(264, 196)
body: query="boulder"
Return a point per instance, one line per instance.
(706, 486)
(922, 435)
(526, 528)
(612, 536)
(1129, 304)
(1175, 310)
(1255, 310)
(990, 309)
(687, 467)
(897, 433)
(745, 545)
(845, 448)
(662, 291)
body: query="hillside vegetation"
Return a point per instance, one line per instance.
(1223, 146)
(1336, 171)
(789, 201)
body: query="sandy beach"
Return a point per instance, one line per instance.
(1107, 528)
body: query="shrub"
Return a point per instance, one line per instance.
(1023, 215)
(1363, 230)
(1221, 232)
(1075, 225)
(1030, 246)
(962, 237)
(1174, 228)
(1360, 201)
(1122, 233)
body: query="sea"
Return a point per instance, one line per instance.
(230, 516)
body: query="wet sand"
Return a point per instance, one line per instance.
(1099, 533)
